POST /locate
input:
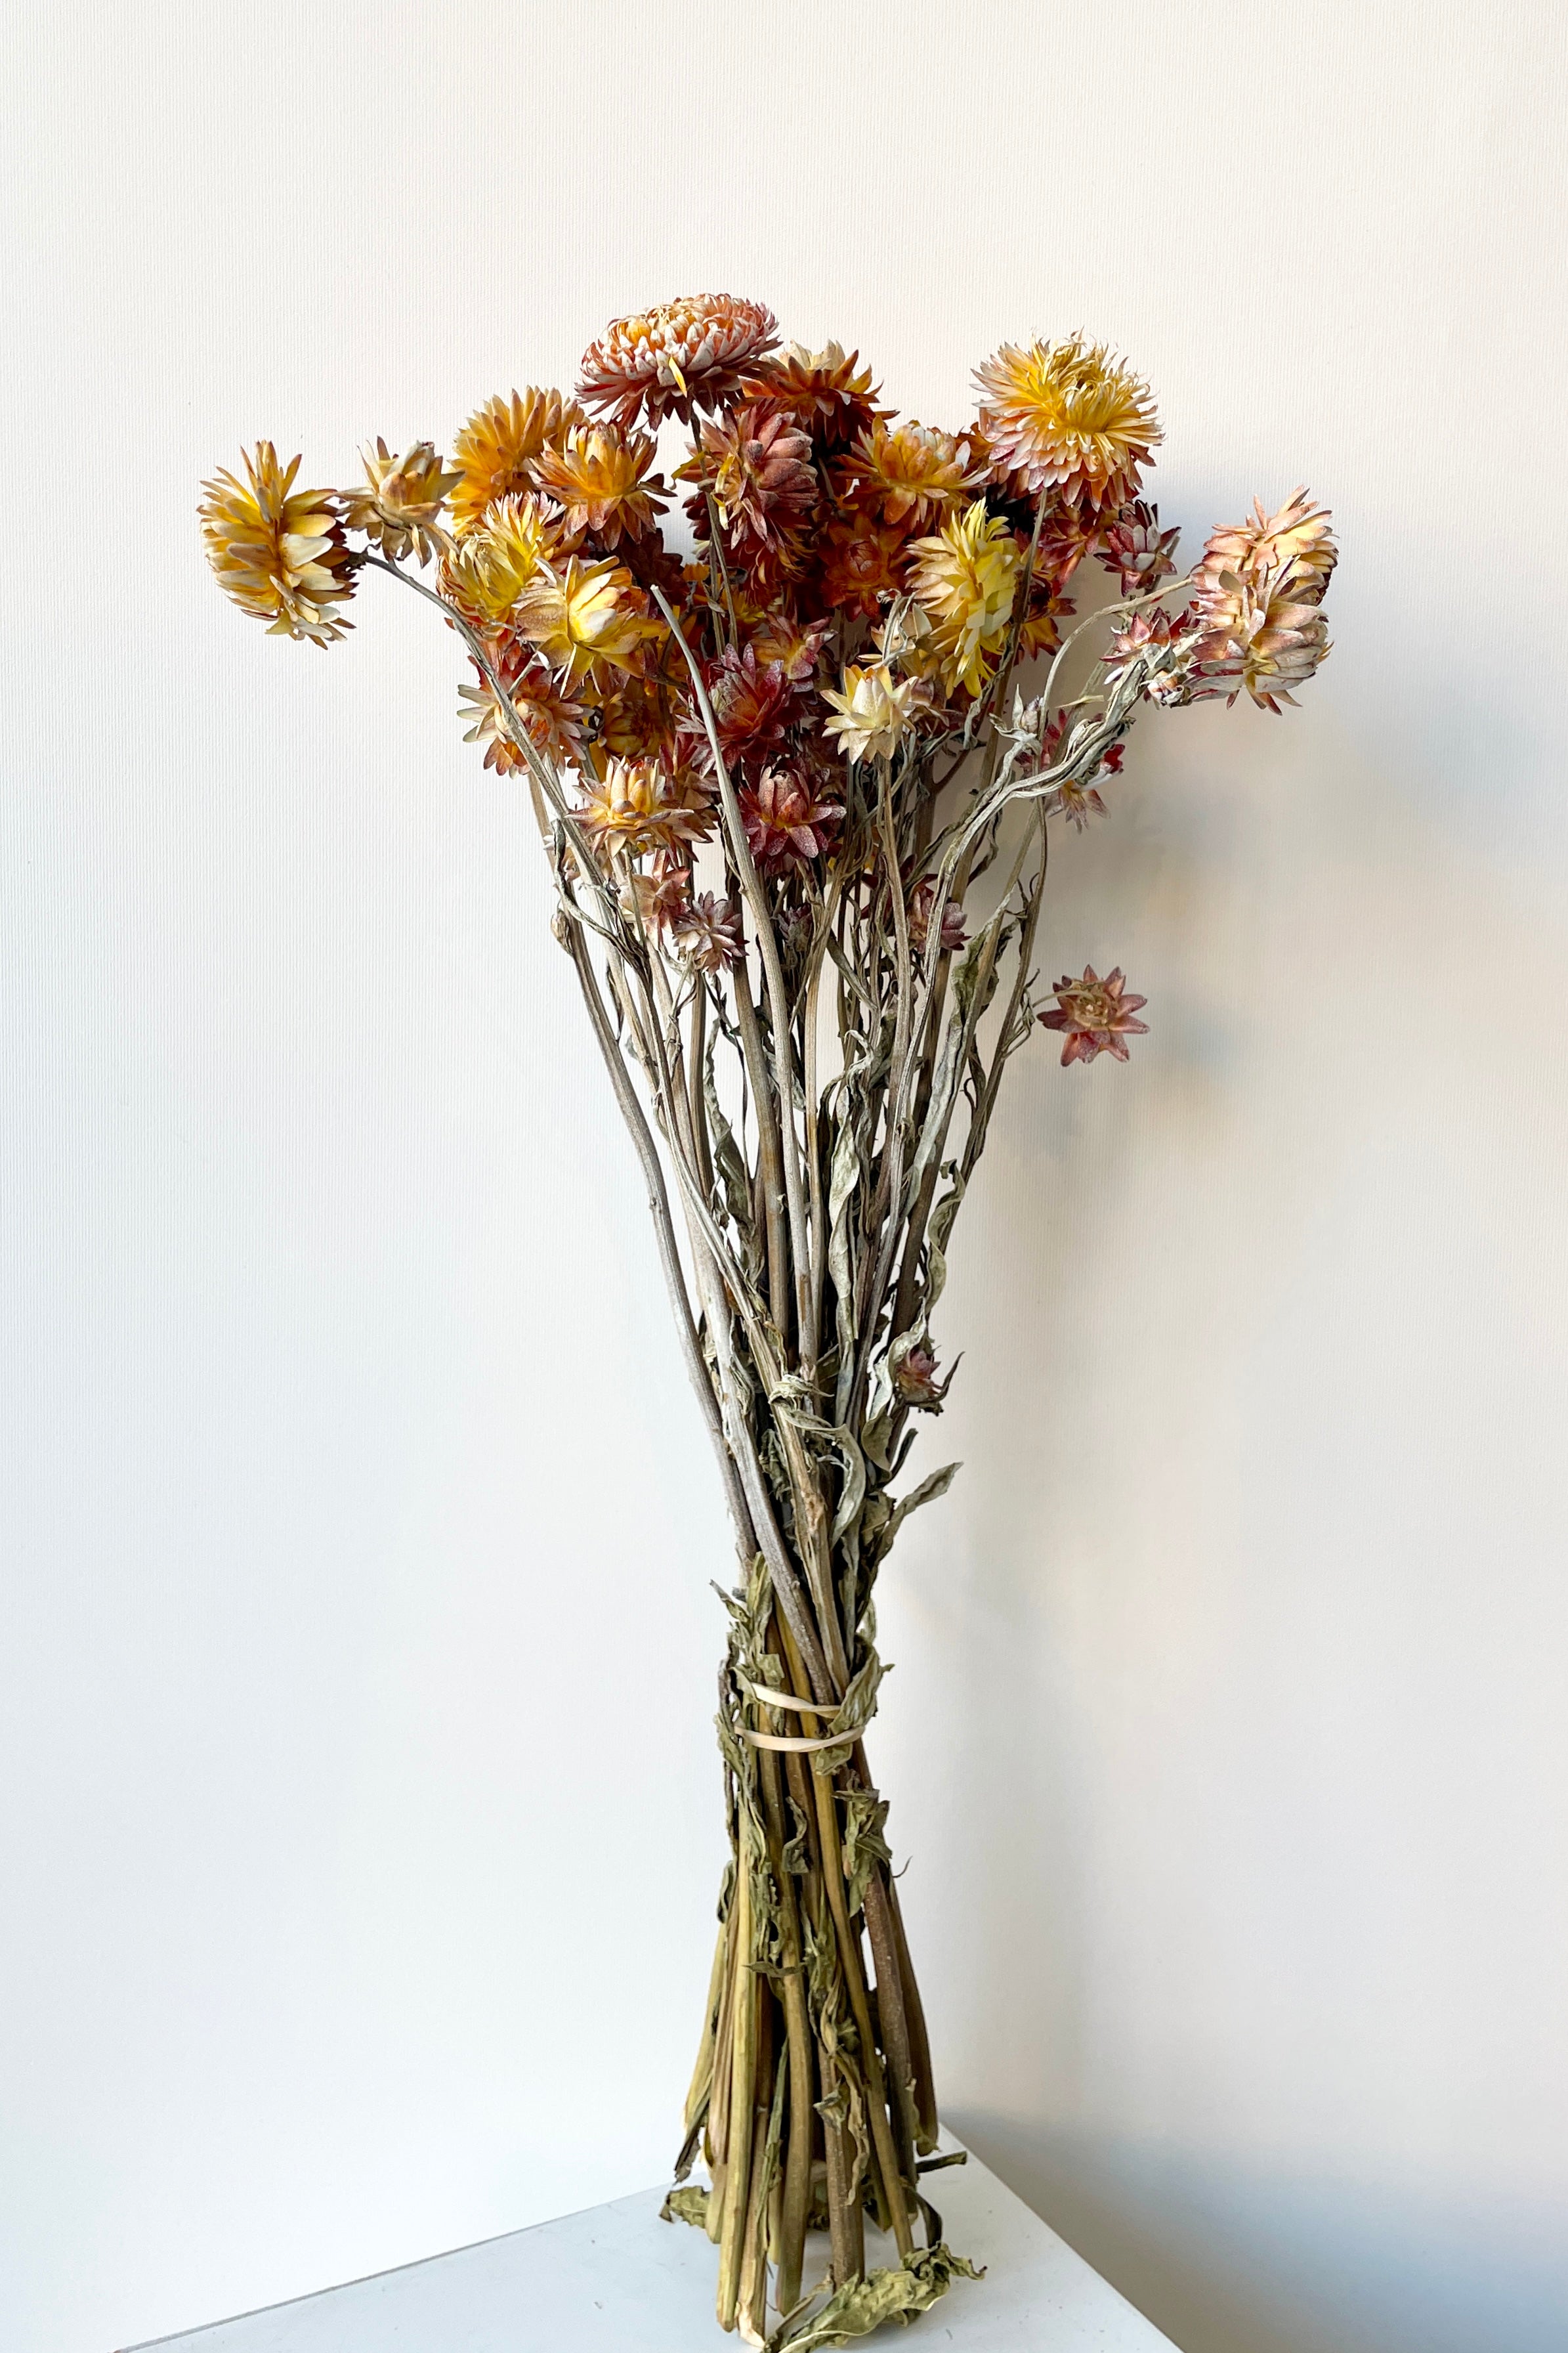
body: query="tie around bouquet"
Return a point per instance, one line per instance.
(796, 770)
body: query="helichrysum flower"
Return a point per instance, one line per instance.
(1134, 548)
(913, 1368)
(785, 822)
(1164, 643)
(1066, 413)
(658, 901)
(640, 804)
(488, 568)
(863, 565)
(279, 552)
(1256, 598)
(399, 509)
(676, 358)
(601, 481)
(874, 713)
(829, 396)
(756, 464)
(497, 450)
(582, 615)
(910, 474)
(709, 934)
(922, 904)
(1096, 1015)
(552, 721)
(964, 577)
(752, 703)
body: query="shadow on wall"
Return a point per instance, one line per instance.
(1205, 2250)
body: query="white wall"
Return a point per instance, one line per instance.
(359, 1802)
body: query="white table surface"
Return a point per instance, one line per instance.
(614, 2279)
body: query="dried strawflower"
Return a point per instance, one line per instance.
(551, 718)
(1066, 413)
(1256, 596)
(964, 577)
(710, 935)
(488, 568)
(279, 552)
(399, 510)
(1134, 548)
(913, 1364)
(863, 565)
(910, 474)
(828, 396)
(601, 481)
(660, 900)
(755, 463)
(676, 358)
(874, 713)
(497, 447)
(580, 614)
(786, 824)
(639, 805)
(1096, 1015)
(922, 904)
(752, 703)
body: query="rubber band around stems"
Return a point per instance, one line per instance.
(796, 1744)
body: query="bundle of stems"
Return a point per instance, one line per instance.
(808, 1056)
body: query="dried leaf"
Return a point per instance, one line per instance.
(864, 2304)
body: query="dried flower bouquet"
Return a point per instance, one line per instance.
(796, 809)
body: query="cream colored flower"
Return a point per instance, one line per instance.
(875, 711)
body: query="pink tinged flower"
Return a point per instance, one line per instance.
(953, 935)
(1135, 548)
(1096, 1015)
(709, 935)
(786, 823)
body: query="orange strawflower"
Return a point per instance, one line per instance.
(1066, 413)
(676, 358)
(279, 552)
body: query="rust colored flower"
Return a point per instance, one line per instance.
(795, 645)
(964, 578)
(863, 565)
(910, 474)
(1134, 548)
(582, 615)
(786, 823)
(1256, 597)
(921, 906)
(675, 359)
(552, 721)
(601, 481)
(497, 450)
(639, 805)
(279, 552)
(756, 464)
(1066, 413)
(709, 934)
(830, 397)
(1095, 1014)
(752, 702)
(399, 510)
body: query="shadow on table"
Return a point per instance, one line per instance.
(1227, 2262)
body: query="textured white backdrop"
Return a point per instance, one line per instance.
(358, 1824)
